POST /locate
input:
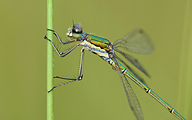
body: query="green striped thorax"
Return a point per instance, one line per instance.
(76, 32)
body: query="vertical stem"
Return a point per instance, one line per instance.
(185, 89)
(50, 111)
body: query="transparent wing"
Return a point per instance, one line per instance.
(136, 41)
(133, 61)
(132, 98)
(131, 70)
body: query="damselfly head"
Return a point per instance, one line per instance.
(77, 28)
(75, 32)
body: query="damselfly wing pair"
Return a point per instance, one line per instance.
(136, 41)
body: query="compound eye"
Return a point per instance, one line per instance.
(77, 28)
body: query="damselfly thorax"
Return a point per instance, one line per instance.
(136, 41)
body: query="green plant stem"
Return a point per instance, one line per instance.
(185, 89)
(50, 110)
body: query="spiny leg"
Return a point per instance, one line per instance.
(64, 53)
(80, 76)
(57, 35)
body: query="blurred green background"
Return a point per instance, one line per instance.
(100, 95)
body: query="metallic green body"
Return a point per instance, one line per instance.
(103, 43)
(136, 41)
(99, 41)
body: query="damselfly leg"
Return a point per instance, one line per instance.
(63, 54)
(136, 41)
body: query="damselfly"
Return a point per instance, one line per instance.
(137, 41)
